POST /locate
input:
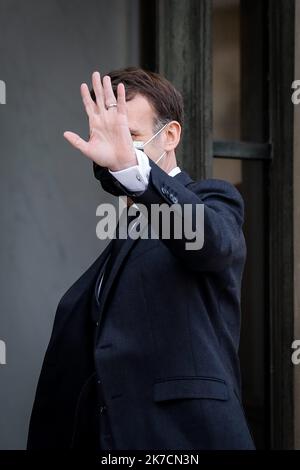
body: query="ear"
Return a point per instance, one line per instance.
(173, 133)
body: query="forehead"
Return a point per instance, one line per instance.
(140, 114)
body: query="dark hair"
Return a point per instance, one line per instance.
(166, 101)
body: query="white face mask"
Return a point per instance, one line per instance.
(139, 144)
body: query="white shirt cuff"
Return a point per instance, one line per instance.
(136, 177)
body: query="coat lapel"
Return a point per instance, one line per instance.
(126, 247)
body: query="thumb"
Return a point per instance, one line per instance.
(76, 141)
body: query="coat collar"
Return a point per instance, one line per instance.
(183, 177)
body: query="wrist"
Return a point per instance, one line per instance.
(118, 166)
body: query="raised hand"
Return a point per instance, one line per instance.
(110, 143)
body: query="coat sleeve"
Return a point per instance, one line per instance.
(223, 237)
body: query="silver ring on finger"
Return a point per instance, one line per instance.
(111, 105)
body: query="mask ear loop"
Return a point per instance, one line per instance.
(164, 153)
(161, 157)
(149, 140)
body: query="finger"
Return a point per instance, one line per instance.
(76, 141)
(109, 96)
(98, 89)
(121, 99)
(87, 99)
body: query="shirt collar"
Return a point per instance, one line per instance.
(174, 171)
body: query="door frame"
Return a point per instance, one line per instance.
(176, 42)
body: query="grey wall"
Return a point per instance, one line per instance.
(48, 193)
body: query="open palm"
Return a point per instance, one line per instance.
(110, 144)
